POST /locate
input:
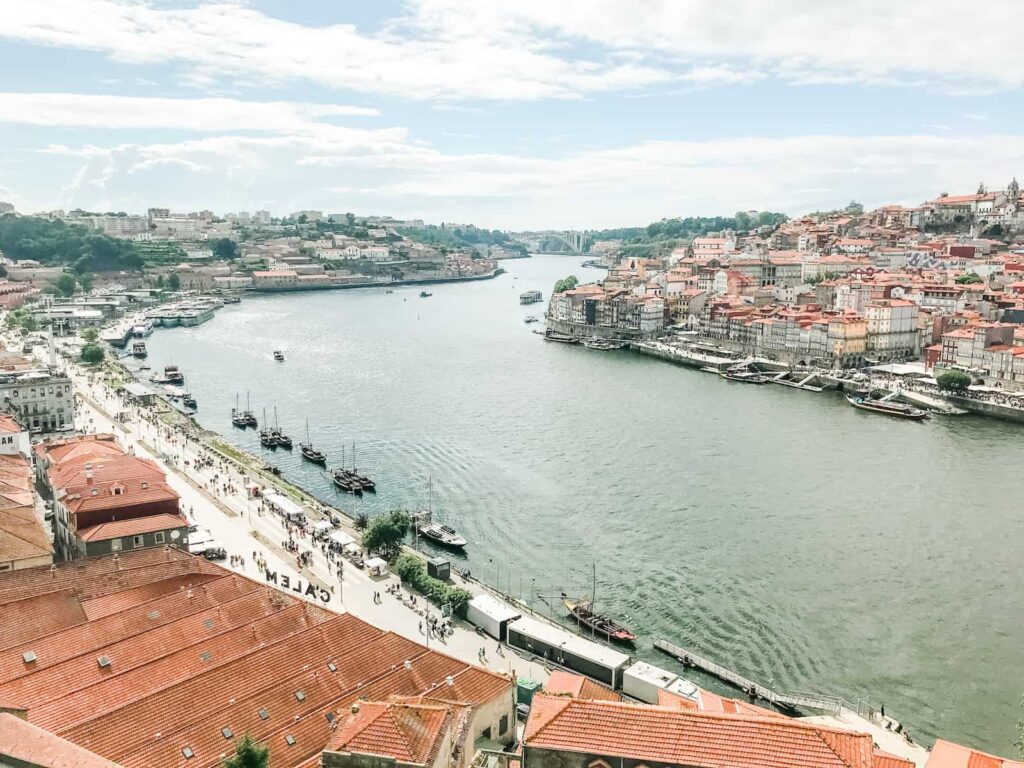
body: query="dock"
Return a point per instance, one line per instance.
(794, 701)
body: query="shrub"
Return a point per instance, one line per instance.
(953, 381)
(410, 569)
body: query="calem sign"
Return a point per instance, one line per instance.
(297, 586)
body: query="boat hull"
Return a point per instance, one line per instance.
(912, 414)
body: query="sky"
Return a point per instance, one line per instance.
(583, 114)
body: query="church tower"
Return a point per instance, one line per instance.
(1013, 190)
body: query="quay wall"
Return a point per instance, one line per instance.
(995, 410)
(376, 284)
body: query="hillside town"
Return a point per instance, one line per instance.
(941, 283)
(166, 600)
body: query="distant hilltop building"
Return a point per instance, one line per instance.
(980, 212)
(6, 208)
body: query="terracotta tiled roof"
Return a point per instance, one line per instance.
(33, 746)
(9, 424)
(408, 733)
(579, 687)
(22, 535)
(946, 754)
(132, 527)
(886, 760)
(680, 737)
(29, 618)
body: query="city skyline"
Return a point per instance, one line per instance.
(580, 115)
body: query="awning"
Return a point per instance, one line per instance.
(341, 538)
(284, 504)
(322, 525)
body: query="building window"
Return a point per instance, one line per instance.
(115, 545)
(138, 541)
(158, 537)
(504, 725)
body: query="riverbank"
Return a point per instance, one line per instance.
(414, 281)
(550, 457)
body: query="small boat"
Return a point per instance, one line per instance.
(142, 329)
(389, 290)
(603, 626)
(189, 402)
(530, 297)
(365, 483)
(744, 376)
(173, 375)
(281, 440)
(232, 300)
(531, 319)
(239, 417)
(563, 338)
(602, 344)
(279, 355)
(267, 437)
(309, 453)
(139, 349)
(425, 294)
(344, 480)
(444, 535)
(898, 410)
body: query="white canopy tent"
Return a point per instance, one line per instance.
(340, 539)
(377, 566)
(284, 505)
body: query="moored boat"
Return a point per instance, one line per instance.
(444, 535)
(744, 376)
(139, 349)
(425, 294)
(602, 344)
(279, 355)
(189, 402)
(899, 410)
(309, 453)
(601, 625)
(173, 375)
(563, 338)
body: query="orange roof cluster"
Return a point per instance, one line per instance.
(30, 745)
(682, 737)
(158, 659)
(579, 687)
(409, 733)
(22, 535)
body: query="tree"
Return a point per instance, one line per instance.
(174, 282)
(159, 281)
(969, 279)
(90, 335)
(385, 534)
(566, 284)
(249, 753)
(362, 520)
(224, 248)
(85, 282)
(29, 323)
(66, 284)
(953, 381)
(92, 354)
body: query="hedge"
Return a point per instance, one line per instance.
(411, 570)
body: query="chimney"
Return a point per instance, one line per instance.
(355, 708)
(408, 665)
(88, 477)
(450, 680)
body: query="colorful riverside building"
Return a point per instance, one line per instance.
(105, 500)
(590, 310)
(160, 659)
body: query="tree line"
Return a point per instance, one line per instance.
(72, 246)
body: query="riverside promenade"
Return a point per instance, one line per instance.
(213, 494)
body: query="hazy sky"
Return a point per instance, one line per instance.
(518, 114)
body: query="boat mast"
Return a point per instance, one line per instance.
(593, 600)
(307, 434)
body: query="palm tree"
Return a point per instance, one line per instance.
(362, 521)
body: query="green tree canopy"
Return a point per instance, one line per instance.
(385, 534)
(92, 354)
(249, 753)
(174, 282)
(969, 279)
(566, 284)
(90, 335)
(55, 243)
(224, 248)
(66, 285)
(953, 381)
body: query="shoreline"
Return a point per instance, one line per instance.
(381, 284)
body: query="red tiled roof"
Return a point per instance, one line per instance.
(22, 535)
(30, 745)
(946, 754)
(132, 527)
(681, 737)
(407, 733)
(579, 687)
(886, 760)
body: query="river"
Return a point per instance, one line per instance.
(796, 540)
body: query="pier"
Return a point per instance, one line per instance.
(793, 701)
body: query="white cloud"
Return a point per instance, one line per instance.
(530, 49)
(134, 112)
(632, 185)
(976, 117)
